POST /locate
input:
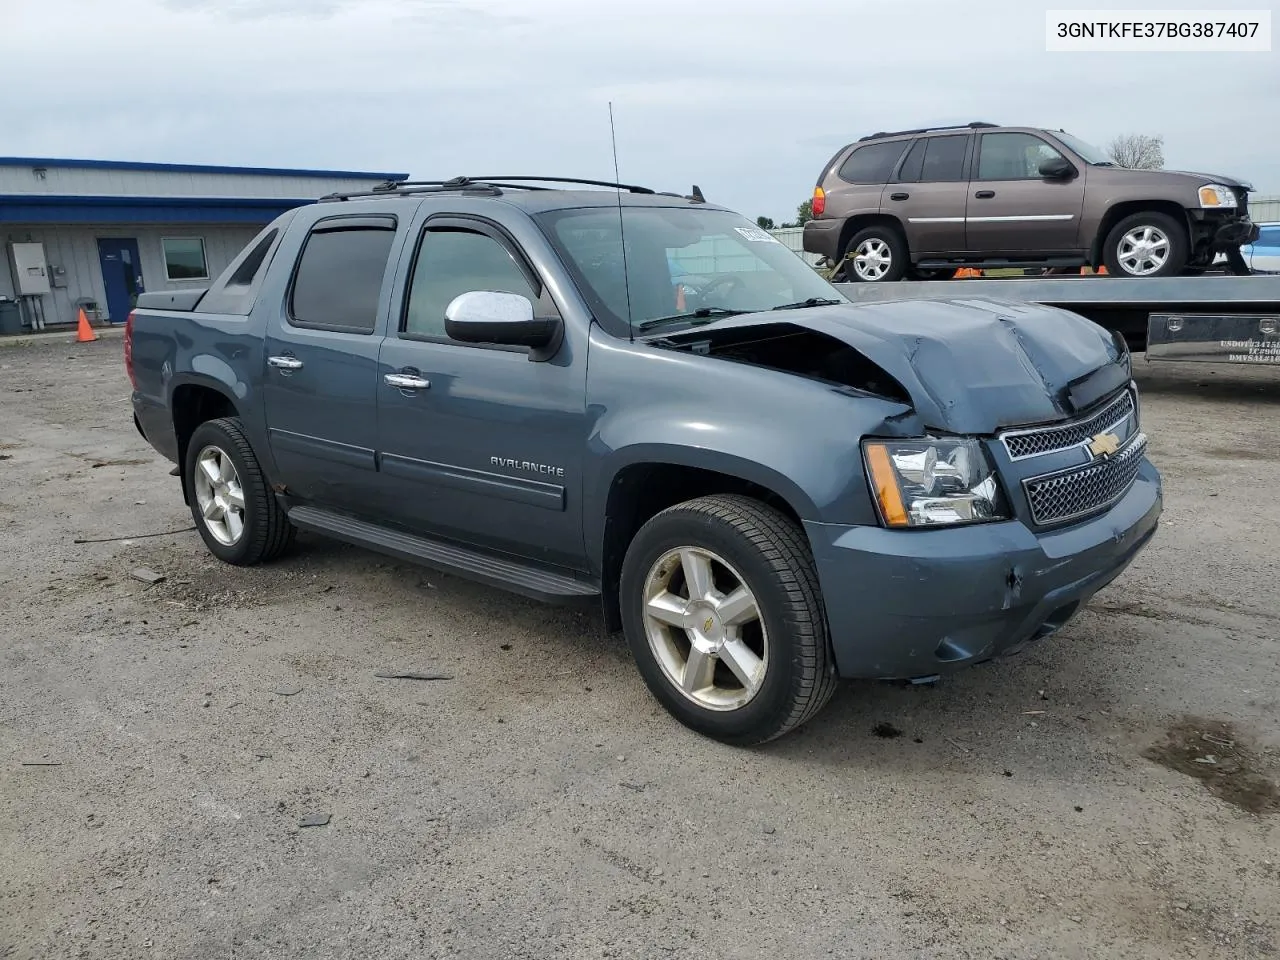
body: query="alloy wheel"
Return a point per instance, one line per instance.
(705, 629)
(219, 495)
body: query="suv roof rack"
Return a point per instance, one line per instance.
(492, 186)
(974, 125)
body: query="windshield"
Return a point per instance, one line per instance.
(686, 264)
(1087, 151)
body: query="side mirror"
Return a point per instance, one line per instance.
(1057, 168)
(485, 316)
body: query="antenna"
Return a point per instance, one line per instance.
(622, 235)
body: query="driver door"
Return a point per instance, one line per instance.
(487, 447)
(1013, 209)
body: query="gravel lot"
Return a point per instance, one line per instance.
(540, 804)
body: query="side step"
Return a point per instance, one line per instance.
(465, 562)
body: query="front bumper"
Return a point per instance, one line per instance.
(919, 603)
(1236, 233)
(1222, 229)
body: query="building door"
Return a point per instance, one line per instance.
(121, 275)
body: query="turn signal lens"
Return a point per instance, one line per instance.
(885, 482)
(128, 351)
(1216, 195)
(819, 201)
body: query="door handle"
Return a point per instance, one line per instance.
(899, 196)
(985, 194)
(285, 363)
(406, 381)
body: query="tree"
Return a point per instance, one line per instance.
(1138, 151)
(804, 213)
(765, 223)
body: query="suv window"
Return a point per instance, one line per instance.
(1013, 156)
(872, 163)
(914, 164)
(451, 262)
(944, 159)
(339, 276)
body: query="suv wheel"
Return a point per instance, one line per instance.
(875, 255)
(723, 614)
(1147, 244)
(238, 516)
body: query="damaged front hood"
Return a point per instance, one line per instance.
(976, 366)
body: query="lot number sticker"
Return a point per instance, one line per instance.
(756, 235)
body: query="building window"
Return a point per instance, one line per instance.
(184, 258)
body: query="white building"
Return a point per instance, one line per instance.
(96, 233)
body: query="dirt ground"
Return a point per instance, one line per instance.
(1109, 793)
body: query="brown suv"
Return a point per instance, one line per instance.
(923, 203)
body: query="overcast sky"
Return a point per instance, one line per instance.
(748, 98)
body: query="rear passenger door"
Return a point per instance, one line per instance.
(321, 378)
(928, 195)
(864, 174)
(1012, 208)
(486, 444)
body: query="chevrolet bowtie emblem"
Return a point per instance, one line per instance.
(706, 627)
(1104, 444)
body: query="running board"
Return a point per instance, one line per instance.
(465, 562)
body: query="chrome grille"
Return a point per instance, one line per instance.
(1034, 443)
(1084, 490)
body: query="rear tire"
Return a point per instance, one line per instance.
(723, 613)
(876, 254)
(238, 516)
(1147, 244)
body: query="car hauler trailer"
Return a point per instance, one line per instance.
(1215, 319)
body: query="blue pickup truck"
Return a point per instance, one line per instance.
(643, 401)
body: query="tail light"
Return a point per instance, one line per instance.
(128, 350)
(819, 201)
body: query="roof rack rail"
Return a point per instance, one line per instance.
(493, 186)
(629, 187)
(974, 125)
(404, 188)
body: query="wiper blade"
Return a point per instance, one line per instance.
(811, 302)
(699, 316)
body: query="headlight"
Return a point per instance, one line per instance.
(1216, 195)
(922, 483)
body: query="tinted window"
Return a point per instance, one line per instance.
(914, 164)
(339, 278)
(248, 269)
(454, 262)
(944, 159)
(872, 163)
(1013, 156)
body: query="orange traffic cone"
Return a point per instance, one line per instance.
(84, 332)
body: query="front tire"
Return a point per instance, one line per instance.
(1148, 244)
(876, 254)
(723, 613)
(238, 516)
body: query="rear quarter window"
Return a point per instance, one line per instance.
(872, 162)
